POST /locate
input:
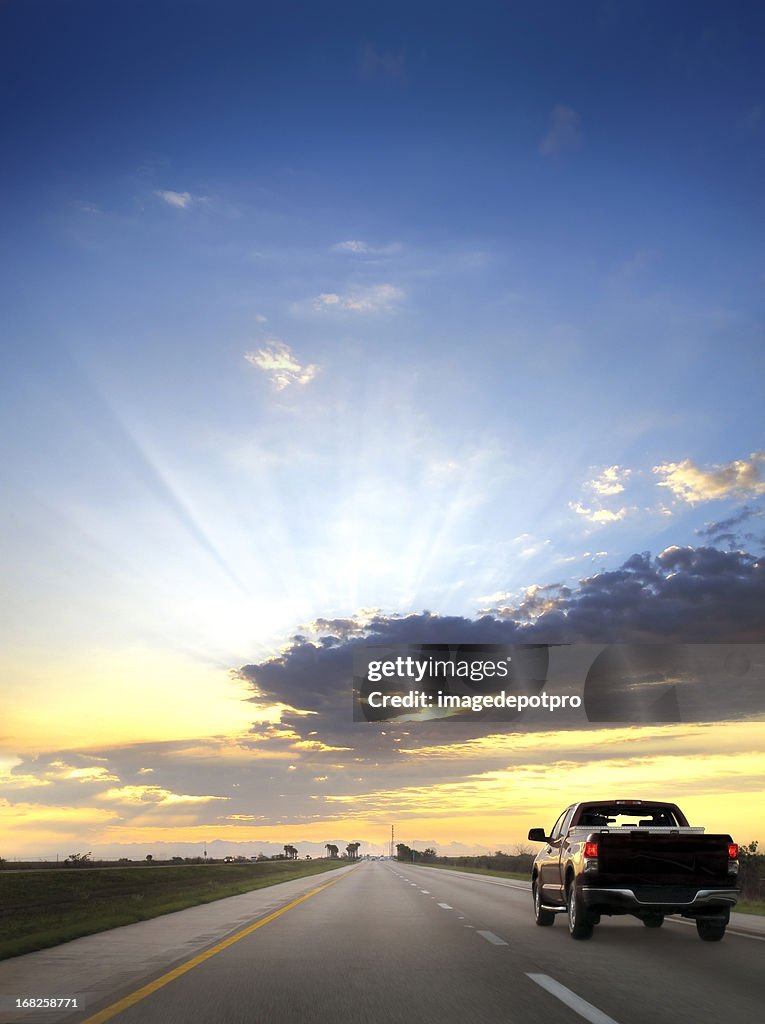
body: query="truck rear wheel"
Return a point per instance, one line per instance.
(541, 916)
(711, 930)
(580, 924)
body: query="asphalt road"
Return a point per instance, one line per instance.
(384, 942)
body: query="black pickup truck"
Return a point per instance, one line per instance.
(636, 857)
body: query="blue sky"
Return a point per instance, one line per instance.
(311, 309)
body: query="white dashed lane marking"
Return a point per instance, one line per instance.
(492, 938)
(445, 906)
(571, 999)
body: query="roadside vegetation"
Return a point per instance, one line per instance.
(518, 865)
(47, 906)
(504, 865)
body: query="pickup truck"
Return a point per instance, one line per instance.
(636, 857)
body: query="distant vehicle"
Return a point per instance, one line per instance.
(636, 857)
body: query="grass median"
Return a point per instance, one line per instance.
(39, 909)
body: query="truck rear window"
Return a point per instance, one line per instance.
(618, 816)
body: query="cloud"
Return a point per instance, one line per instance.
(726, 531)
(610, 481)
(360, 248)
(153, 795)
(564, 134)
(180, 200)
(279, 362)
(683, 595)
(599, 516)
(383, 63)
(692, 484)
(378, 298)
(351, 246)
(607, 484)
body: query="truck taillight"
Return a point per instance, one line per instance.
(591, 849)
(732, 851)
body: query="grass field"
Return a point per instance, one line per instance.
(44, 908)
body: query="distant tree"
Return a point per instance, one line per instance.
(429, 854)
(291, 852)
(78, 859)
(149, 858)
(332, 850)
(752, 871)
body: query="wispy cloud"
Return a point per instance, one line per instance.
(599, 516)
(180, 200)
(564, 134)
(729, 531)
(610, 481)
(351, 246)
(378, 298)
(359, 248)
(692, 483)
(383, 63)
(607, 484)
(282, 366)
(154, 795)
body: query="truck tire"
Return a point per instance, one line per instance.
(543, 917)
(654, 921)
(711, 931)
(580, 924)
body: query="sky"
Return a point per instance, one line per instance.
(324, 324)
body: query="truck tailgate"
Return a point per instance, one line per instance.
(652, 863)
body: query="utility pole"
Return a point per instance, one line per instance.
(392, 842)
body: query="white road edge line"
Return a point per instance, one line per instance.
(446, 906)
(571, 999)
(492, 938)
(526, 887)
(728, 931)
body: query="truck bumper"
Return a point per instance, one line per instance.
(704, 902)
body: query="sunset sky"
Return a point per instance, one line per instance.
(323, 323)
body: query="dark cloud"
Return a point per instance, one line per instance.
(724, 531)
(684, 595)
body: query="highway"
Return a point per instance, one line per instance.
(387, 942)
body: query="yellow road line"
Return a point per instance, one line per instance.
(158, 983)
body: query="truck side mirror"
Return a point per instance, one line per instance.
(537, 835)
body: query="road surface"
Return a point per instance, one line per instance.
(385, 942)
